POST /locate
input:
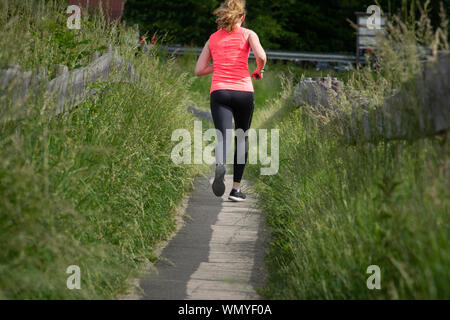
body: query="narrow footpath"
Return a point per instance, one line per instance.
(217, 254)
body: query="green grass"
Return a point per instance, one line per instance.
(334, 209)
(96, 187)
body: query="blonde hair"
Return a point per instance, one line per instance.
(229, 13)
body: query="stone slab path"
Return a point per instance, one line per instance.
(217, 254)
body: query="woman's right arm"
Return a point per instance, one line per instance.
(203, 67)
(258, 50)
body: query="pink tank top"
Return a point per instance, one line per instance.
(230, 52)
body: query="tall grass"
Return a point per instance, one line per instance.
(335, 209)
(95, 187)
(34, 33)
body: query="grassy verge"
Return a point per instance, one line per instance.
(335, 209)
(95, 188)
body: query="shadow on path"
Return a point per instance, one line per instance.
(217, 254)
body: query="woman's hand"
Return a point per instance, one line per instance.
(258, 75)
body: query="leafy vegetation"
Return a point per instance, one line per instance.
(297, 25)
(95, 187)
(335, 209)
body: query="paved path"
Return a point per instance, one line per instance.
(218, 253)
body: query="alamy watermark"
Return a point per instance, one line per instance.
(74, 21)
(257, 147)
(374, 281)
(374, 21)
(74, 280)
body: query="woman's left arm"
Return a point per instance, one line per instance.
(203, 67)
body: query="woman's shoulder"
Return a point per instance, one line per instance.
(219, 31)
(247, 32)
(215, 36)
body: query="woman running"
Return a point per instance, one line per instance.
(231, 94)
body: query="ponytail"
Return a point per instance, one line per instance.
(229, 13)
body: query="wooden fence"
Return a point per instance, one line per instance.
(419, 110)
(68, 89)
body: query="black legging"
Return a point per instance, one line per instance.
(225, 105)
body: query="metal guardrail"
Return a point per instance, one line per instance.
(275, 55)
